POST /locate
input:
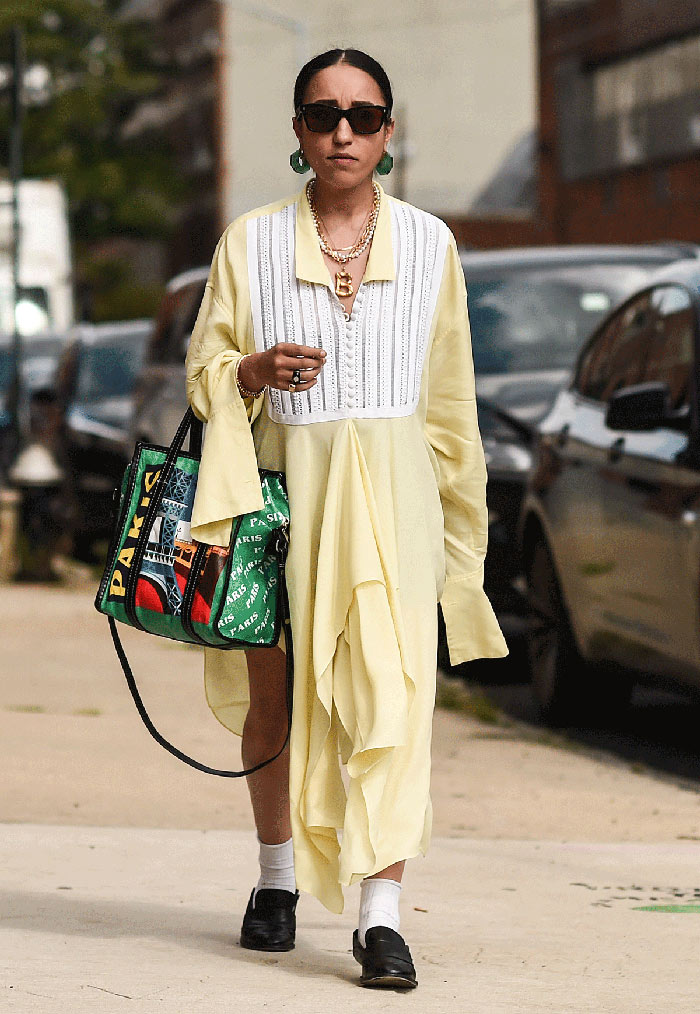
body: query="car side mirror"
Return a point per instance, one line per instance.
(640, 407)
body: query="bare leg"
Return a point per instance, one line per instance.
(263, 734)
(393, 872)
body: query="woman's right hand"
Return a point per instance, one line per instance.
(275, 367)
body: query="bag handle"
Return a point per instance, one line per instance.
(190, 423)
(196, 437)
(159, 738)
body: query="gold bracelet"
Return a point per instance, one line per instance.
(241, 389)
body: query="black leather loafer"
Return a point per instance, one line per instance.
(270, 921)
(385, 959)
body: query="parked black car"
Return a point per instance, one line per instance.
(94, 383)
(611, 519)
(531, 310)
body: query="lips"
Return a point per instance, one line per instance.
(342, 158)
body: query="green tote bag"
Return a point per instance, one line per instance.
(159, 580)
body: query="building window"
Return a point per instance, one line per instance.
(648, 106)
(630, 112)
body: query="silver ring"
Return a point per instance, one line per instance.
(296, 377)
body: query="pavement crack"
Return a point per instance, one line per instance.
(110, 991)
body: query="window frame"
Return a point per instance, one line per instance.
(693, 294)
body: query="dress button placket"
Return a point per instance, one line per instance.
(350, 362)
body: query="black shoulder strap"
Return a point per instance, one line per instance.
(131, 682)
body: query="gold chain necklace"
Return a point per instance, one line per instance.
(343, 279)
(344, 249)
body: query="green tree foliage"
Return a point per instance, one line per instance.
(95, 68)
(88, 70)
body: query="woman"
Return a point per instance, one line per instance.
(333, 343)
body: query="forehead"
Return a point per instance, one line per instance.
(343, 84)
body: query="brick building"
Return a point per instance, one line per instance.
(619, 144)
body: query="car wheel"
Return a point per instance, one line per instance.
(556, 667)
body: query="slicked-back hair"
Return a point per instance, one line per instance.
(354, 58)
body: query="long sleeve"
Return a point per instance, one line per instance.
(453, 432)
(228, 482)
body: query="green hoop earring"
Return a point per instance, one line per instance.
(385, 164)
(297, 161)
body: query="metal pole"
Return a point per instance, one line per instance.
(16, 169)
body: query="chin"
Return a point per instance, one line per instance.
(344, 176)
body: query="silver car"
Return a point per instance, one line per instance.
(611, 516)
(159, 397)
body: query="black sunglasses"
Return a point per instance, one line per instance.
(322, 119)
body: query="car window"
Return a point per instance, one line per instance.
(671, 352)
(175, 321)
(109, 370)
(164, 326)
(617, 356)
(527, 318)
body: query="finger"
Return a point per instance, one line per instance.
(305, 385)
(304, 363)
(304, 351)
(307, 372)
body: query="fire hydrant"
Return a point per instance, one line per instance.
(38, 477)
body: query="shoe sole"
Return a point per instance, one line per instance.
(388, 982)
(250, 945)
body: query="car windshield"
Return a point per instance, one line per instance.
(109, 370)
(535, 318)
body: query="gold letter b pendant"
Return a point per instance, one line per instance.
(343, 284)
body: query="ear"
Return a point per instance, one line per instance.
(296, 127)
(389, 130)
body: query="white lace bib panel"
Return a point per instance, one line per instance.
(374, 361)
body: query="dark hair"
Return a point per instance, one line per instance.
(353, 57)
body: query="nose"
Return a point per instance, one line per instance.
(343, 132)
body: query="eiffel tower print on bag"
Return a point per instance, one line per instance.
(159, 580)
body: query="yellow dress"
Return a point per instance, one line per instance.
(386, 481)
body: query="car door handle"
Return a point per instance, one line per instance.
(563, 435)
(616, 448)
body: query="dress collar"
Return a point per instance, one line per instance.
(310, 265)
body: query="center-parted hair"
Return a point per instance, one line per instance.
(354, 58)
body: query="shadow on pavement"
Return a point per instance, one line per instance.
(216, 933)
(659, 732)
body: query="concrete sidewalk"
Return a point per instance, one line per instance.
(111, 919)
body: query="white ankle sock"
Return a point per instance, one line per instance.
(276, 867)
(379, 905)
